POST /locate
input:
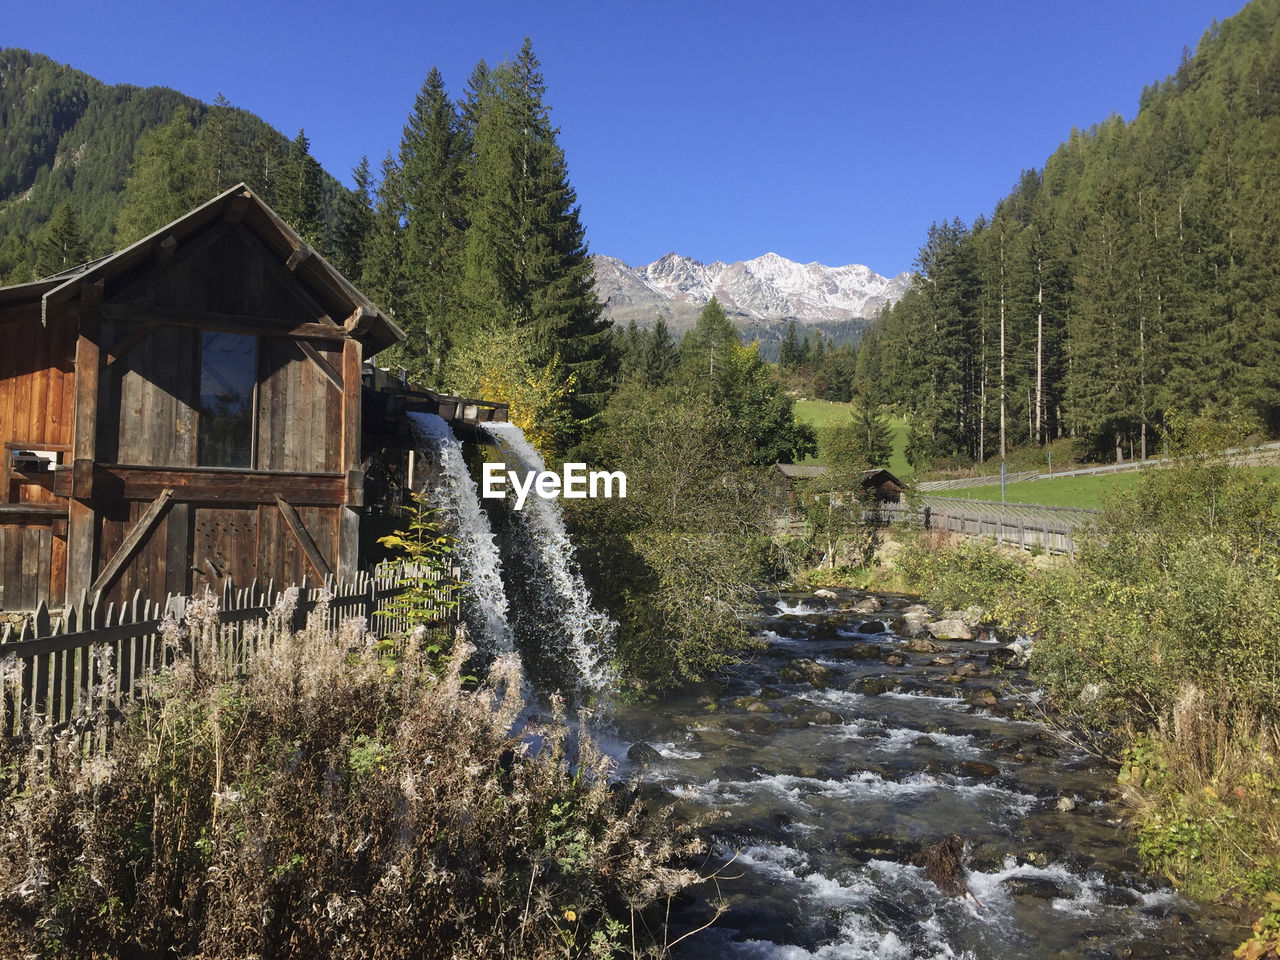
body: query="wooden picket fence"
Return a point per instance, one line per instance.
(50, 668)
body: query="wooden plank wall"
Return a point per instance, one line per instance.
(299, 409)
(37, 402)
(37, 387)
(146, 400)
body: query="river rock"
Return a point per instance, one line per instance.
(912, 626)
(819, 717)
(826, 630)
(952, 629)
(984, 698)
(942, 661)
(967, 670)
(642, 754)
(806, 671)
(874, 686)
(770, 693)
(977, 769)
(825, 594)
(921, 645)
(1065, 805)
(879, 846)
(868, 605)
(871, 627)
(971, 615)
(1042, 888)
(894, 660)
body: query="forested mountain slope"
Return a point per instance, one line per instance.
(1135, 276)
(67, 137)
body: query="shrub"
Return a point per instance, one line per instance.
(333, 803)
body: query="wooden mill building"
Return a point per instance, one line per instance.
(184, 411)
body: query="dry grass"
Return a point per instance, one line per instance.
(1206, 785)
(340, 801)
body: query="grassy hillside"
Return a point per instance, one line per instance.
(825, 413)
(1087, 491)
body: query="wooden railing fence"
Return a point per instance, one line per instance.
(1022, 525)
(49, 668)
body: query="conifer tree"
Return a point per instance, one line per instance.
(661, 356)
(164, 182)
(525, 257)
(706, 352)
(789, 353)
(298, 193)
(62, 246)
(382, 266)
(355, 222)
(432, 152)
(223, 155)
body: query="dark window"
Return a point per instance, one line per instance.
(228, 368)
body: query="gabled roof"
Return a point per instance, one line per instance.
(802, 471)
(347, 306)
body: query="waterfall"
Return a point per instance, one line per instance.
(481, 564)
(586, 633)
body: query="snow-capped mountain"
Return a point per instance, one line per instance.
(766, 288)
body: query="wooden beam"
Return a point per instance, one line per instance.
(348, 544)
(359, 319)
(230, 322)
(322, 364)
(127, 342)
(351, 396)
(141, 530)
(298, 257)
(304, 539)
(40, 514)
(114, 483)
(236, 208)
(82, 528)
(168, 247)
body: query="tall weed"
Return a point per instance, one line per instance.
(336, 801)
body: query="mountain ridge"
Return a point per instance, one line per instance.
(764, 289)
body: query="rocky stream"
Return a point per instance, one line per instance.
(854, 742)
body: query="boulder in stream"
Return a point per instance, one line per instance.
(921, 645)
(642, 754)
(950, 630)
(825, 594)
(1042, 888)
(868, 605)
(806, 671)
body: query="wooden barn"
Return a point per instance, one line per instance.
(182, 412)
(879, 483)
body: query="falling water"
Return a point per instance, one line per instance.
(481, 564)
(587, 632)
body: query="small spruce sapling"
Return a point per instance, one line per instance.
(426, 567)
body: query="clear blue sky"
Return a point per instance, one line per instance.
(829, 131)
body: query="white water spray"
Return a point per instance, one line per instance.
(588, 632)
(481, 564)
